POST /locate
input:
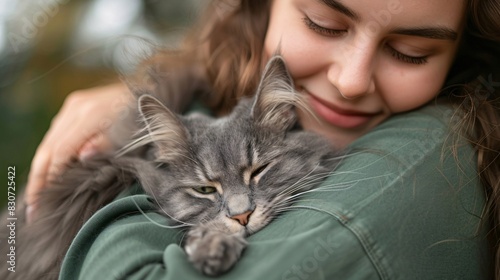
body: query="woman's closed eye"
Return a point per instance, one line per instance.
(337, 32)
(322, 30)
(406, 58)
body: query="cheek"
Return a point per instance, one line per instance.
(407, 92)
(299, 48)
(304, 56)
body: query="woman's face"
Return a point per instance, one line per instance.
(360, 61)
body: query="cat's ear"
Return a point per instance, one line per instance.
(276, 98)
(165, 129)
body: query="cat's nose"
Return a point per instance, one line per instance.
(242, 218)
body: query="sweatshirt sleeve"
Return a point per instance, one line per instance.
(401, 206)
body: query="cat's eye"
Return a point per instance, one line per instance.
(205, 190)
(258, 171)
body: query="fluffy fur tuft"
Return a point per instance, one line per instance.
(222, 179)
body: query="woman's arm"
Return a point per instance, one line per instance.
(99, 119)
(78, 131)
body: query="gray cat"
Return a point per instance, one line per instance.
(224, 178)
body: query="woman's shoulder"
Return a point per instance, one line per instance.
(411, 195)
(407, 203)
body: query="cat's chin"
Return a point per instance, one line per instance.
(233, 227)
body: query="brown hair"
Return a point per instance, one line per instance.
(227, 45)
(224, 49)
(477, 71)
(233, 52)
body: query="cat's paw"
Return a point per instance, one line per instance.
(213, 252)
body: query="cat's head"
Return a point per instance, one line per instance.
(241, 170)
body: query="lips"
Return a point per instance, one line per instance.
(337, 116)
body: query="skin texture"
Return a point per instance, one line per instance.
(351, 64)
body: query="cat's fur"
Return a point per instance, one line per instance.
(223, 178)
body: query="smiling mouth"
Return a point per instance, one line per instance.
(337, 116)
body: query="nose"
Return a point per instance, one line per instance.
(352, 73)
(242, 218)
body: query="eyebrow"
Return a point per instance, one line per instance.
(341, 8)
(441, 33)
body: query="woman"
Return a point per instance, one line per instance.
(365, 67)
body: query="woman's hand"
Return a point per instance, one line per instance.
(76, 132)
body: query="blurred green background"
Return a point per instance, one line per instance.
(49, 48)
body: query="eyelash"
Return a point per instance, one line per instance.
(333, 32)
(320, 29)
(407, 58)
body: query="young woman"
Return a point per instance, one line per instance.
(393, 76)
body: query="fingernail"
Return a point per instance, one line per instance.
(29, 214)
(87, 153)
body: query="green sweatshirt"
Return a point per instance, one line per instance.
(400, 207)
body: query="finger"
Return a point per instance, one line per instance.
(49, 160)
(56, 168)
(64, 153)
(37, 175)
(39, 169)
(30, 212)
(98, 143)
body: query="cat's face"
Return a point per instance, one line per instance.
(241, 170)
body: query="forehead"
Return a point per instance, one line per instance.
(449, 13)
(222, 149)
(227, 133)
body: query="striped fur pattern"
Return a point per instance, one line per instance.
(221, 179)
(227, 178)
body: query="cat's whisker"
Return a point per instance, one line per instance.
(184, 234)
(343, 185)
(289, 197)
(173, 218)
(347, 184)
(289, 200)
(136, 143)
(155, 222)
(308, 185)
(266, 210)
(165, 212)
(353, 182)
(284, 209)
(298, 181)
(329, 187)
(148, 138)
(311, 180)
(343, 156)
(372, 162)
(292, 207)
(307, 207)
(339, 187)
